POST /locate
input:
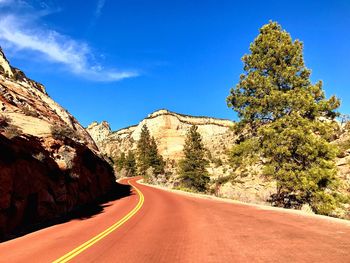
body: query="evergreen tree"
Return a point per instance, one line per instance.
(143, 145)
(155, 159)
(130, 164)
(292, 119)
(120, 161)
(193, 173)
(148, 155)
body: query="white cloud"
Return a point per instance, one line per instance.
(22, 32)
(99, 7)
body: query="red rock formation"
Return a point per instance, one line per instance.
(49, 165)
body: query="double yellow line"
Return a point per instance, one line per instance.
(105, 233)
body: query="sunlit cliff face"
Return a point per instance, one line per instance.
(169, 129)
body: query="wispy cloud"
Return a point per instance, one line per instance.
(97, 13)
(99, 7)
(5, 2)
(23, 31)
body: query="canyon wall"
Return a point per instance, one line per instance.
(49, 164)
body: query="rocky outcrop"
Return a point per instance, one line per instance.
(169, 129)
(99, 131)
(49, 164)
(5, 68)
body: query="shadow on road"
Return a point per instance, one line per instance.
(81, 212)
(86, 211)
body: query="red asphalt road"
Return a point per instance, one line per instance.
(177, 228)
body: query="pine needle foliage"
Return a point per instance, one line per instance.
(192, 168)
(292, 119)
(130, 164)
(120, 161)
(147, 154)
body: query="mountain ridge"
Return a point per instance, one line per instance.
(164, 125)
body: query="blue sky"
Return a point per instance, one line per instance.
(121, 60)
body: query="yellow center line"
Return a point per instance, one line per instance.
(106, 232)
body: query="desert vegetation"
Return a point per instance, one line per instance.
(126, 164)
(4, 121)
(7, 128)
(63, 132)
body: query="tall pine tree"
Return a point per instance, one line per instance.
(155, 159)
(193, 172)
(130, 164)
(292, 119)
(120, 161)
(143, 145)
(147, 154)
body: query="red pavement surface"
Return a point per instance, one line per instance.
(176, 228)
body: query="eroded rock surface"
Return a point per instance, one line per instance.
(169, 129)
(49, 164)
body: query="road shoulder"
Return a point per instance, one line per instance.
(256, 206)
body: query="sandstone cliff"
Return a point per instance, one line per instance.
(169, 129)
(49, 164)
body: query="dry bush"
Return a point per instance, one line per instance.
(347, 125)
(63, 132)
(12, 131)
(29, 112)
(39, 156)
(4, 121)
(343, 147)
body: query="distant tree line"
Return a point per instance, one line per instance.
(193, 174)
(146, 162)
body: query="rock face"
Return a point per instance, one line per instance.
(5, 67)
(49, 164)
(99, 131)
(169, 129)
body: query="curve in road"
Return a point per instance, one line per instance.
(170, 227)
(70, 255)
